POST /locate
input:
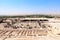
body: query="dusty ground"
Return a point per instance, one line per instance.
(49, 30)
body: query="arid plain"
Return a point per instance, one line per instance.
(30, 29)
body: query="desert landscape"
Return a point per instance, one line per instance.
(30, 28)
(29, 19)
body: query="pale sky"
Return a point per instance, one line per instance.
(23, 7)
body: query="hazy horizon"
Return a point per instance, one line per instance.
(26, 7)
